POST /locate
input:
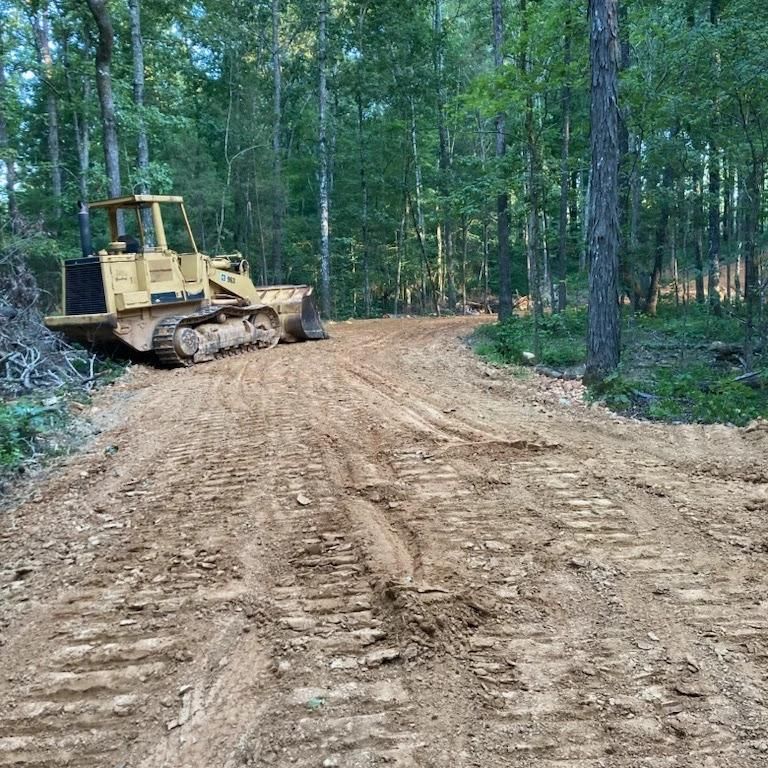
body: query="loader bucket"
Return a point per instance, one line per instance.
(299, 317)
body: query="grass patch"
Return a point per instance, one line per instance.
(40, 425)
(26, 425)
(696, 393)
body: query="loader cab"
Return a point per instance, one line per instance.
(145, 252)
(146, 224)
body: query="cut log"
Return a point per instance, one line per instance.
(754, 379)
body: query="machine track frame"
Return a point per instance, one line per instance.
(164, 337)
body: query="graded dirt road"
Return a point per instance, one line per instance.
(376, 550)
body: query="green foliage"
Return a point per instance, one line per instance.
(668, 373)
(693, 323)
(23, 427)
(701, 394)
(561, 337)
(692, 394)
(615, 391)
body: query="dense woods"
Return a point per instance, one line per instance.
(419, 156)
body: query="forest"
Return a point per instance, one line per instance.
(405, 157)
(444, 444)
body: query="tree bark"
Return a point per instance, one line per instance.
(100, 13)
(502, 198)
(603, 329)
(278, 188)
(80, 126)
(137, 47)
(142, 142)
(660, 244)
(562, 254)
(41, 29)
(6, 155)
(364, 207)
(533, 166)
(419, 214)
(728, 229)
(444, 162)
(364, 233)
(714, 230)
(628, 183)
(698, 236)
(752, 204)
(714, 195)
(325, 243)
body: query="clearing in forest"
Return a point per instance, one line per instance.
(420, 561)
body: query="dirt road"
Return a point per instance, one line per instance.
(374, 551)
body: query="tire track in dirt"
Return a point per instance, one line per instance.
(327, 558)
(657, 714)
(342, 700)
(118, 638)
(561, 685)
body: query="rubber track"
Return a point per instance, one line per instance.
(162, 339)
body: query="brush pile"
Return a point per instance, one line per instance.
(32, 358)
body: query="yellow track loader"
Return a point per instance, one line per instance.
(182, 305)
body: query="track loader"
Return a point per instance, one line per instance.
(182, 305)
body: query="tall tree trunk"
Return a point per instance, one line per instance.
(502, 198)
(603, 329)
(562, 254)
(401, 230)
(714, 194)
(486, 276)
(80, 125)
(325, 193)
(41, 29)
(278, 186)
(137, 47)
(752, 204)
(698, 236)
(714, 230)
(660, 244)
(418, 216)
(364, 206)
(364, 233)
(740, 237)
(446, 227)
(6, 154)
(728, 228)
(100, 11)
(533, 165)
(142, 142)
(628, 279)
(464, 259)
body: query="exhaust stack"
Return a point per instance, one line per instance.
(84, 219)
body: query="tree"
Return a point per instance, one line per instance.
(278, 191)
(137, 48)
(603, 324)
(442, 146)
(104, 48)
(41, 28)
(323, 149)
(6, 155)
(565, 170)
(502, 198)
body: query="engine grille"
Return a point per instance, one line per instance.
(84, 287)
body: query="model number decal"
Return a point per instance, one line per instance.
(225, 278)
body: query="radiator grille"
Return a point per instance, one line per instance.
(84, 286)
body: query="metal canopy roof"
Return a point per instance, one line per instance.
(135, 200)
